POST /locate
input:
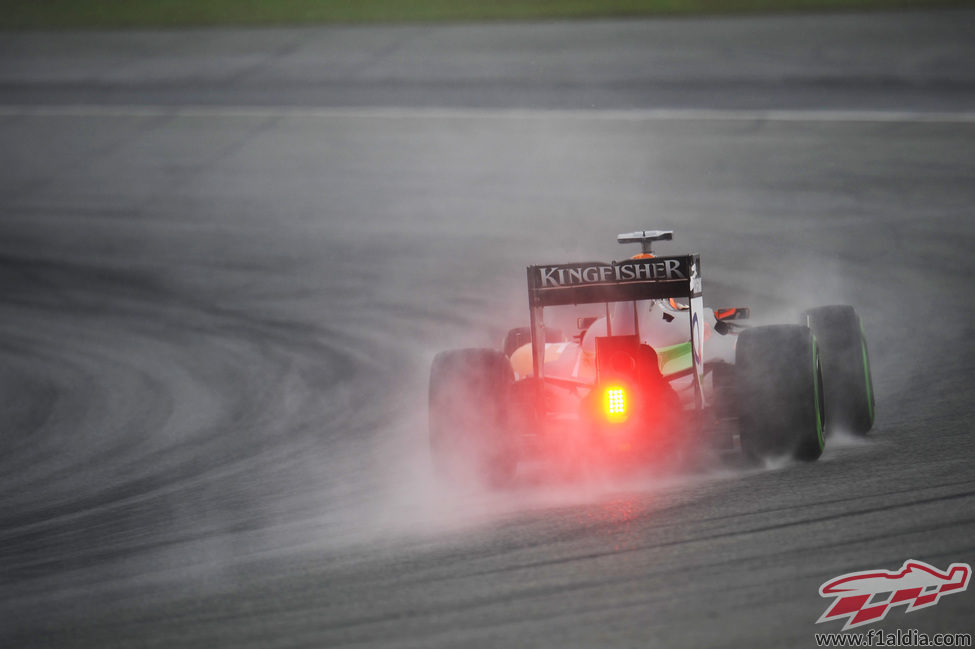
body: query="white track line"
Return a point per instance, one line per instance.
(648, 115)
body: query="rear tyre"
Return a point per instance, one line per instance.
(469, 396)
(779, 392)
(846, 368)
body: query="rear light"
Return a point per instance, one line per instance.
(615, 403)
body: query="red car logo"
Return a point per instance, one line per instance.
(865, 597)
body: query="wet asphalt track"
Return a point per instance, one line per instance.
(217, 322)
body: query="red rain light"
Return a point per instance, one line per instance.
(615, 403)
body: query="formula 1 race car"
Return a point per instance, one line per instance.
(647, 372)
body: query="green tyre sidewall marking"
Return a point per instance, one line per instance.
(816, 396)
(866, 373)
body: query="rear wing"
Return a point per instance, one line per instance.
(634, 279)
(650, 278)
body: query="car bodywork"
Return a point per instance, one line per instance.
(648, 300)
